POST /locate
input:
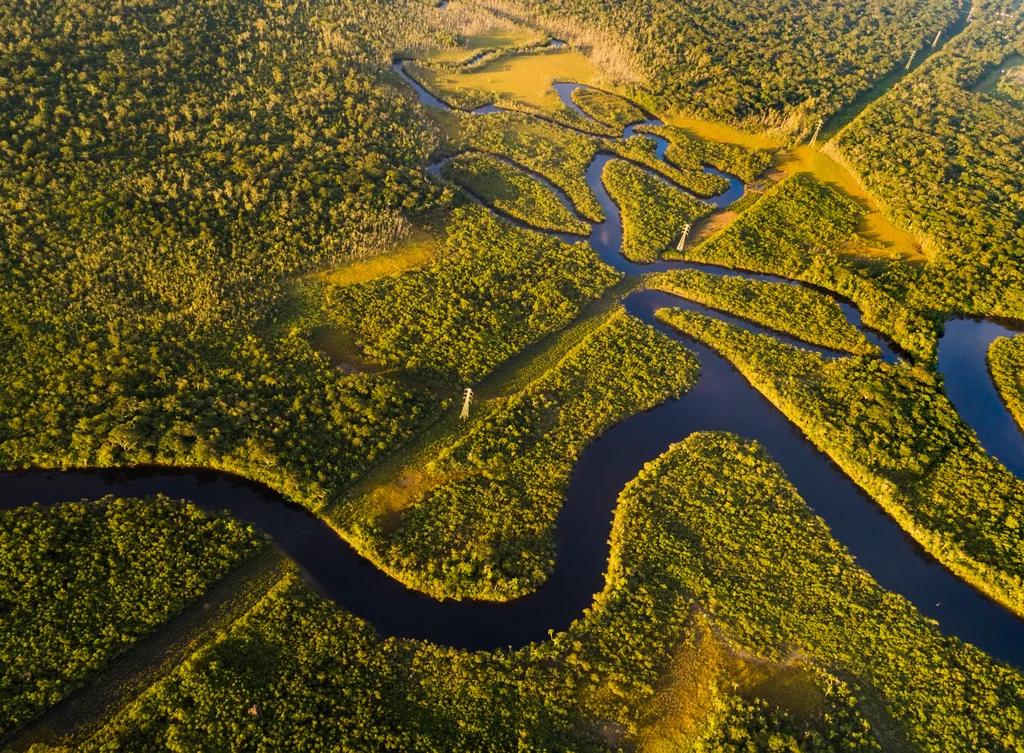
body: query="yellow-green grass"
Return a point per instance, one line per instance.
(989, 83)
(492, 39)
(418, 249)
(723, 132)
(881, 236)
(526, 79)
(705, 662)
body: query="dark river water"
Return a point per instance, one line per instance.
(721, 401)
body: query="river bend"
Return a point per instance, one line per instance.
(722, 400)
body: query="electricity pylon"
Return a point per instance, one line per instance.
(466, 400)
(682, 240)
(937, 35)
(910, 62)
(814, 138)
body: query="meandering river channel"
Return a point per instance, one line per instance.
(721, 401)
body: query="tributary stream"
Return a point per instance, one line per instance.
(721, 401)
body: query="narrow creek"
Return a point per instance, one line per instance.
(721, 401)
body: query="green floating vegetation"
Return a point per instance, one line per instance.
(689, 153)
(963, 195)
(796, 230)
(508, 189)
(653, 212)
(894, 432)
(610, 109)
(719, 574)
(560, 155)
(1006, 362)
(791, 309)
(82, 581)
(493, 290)
(484, 526)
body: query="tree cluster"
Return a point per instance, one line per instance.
(484, 526)
(654, 213)
(713, 528)
(779, 65)
(82, 581)
(945, 161)
(1006, 364)
(798, 229)
(503, 186)
(791, 309)
(493, 290)
(892, 429)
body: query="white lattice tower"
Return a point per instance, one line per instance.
(682, 239)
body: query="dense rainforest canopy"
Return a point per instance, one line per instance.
(946, 161)
(764, 63)
(221, 247)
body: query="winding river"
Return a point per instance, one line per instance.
(721, 401)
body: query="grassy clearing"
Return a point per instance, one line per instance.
(882, 237)
(418, 249)
(798, 229)
(723, 133)
(989, 83)
(492, 39)
(705, 664)
(493, 290)
(338, 344)
(708, 226)
(525, 79)
(780, 586)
